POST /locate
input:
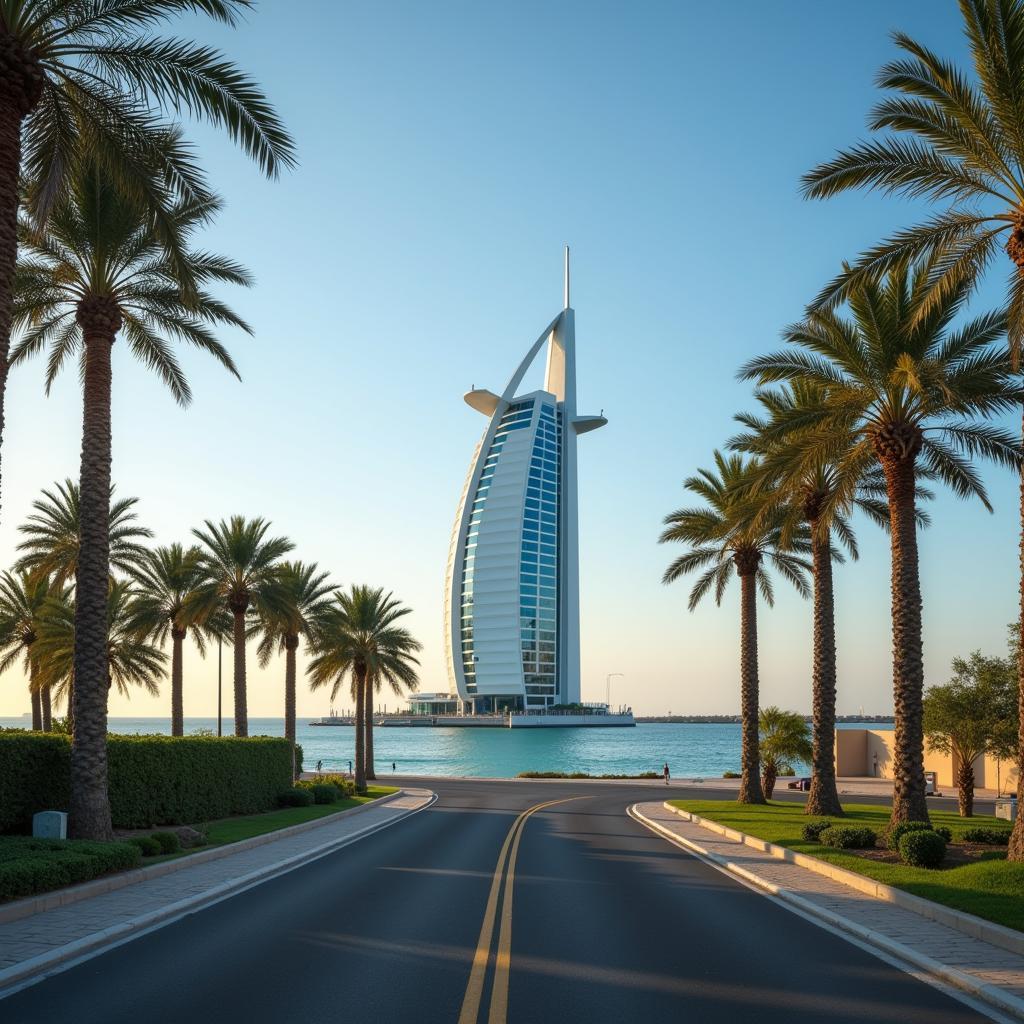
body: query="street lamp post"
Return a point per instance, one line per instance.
(219, 659)
(608, 687)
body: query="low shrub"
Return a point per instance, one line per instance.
(169, 841)
(989, 836)
(896, 832)
(922, 848)
(325, 793)
(731, 775)
(345, 786)
(148, 845)
(811, 832)
(946, 833)
(848, 837)
(297, 796)
(29, 866)
(298, 758)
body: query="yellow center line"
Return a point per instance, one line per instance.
(475, 988)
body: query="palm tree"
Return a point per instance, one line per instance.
(166, 579)
(304, 599)
(963, 148)
(81, 81)
(822, 495)
(240, 573)
(901, 390)
(131, 659)
(730, 535)
(784, 740)
(357, 639)
(53, 534)
(22, 597)
(98, 272)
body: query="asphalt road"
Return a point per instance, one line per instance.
(608, 923)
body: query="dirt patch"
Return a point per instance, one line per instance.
(957, 854)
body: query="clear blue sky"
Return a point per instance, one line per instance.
(447, 153)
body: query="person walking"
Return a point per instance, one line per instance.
(665, 772)
(394, 767)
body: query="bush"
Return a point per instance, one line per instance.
(345, 786)
(894, 834)
(153, 780)
(989, 836)
(848, 837)
(811, 832)
(169, 842)
(28, 865)
(148, 846)
(297, 796)
(946, 833)
(731, 775)
(325, 793)
(298, 759)
(922, 848)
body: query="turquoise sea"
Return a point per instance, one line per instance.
(691, 750)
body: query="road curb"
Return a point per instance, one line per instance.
(19, 909)
(991, 994)
(37, 967)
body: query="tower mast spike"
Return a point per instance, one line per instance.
(565, 290)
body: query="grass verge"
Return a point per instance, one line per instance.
(990, 887)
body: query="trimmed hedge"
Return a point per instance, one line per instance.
(922, 848)
(153, 780)
(28, 866)
(297, 796)
(897, 832)
(148, 845)
(989, 836)
(811, 832)
(848, 837)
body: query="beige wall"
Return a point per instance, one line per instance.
(868, 752)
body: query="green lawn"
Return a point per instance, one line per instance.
(991, 888)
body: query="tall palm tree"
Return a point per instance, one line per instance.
(910, 392)
(100, 272)
(305, 591)
(53, 534)
(131, 659)
(84, 81)
(727, 535)
(962, 147)
(822, 495)
(166, 580)
(22, 598)
(241, 573)
(357, 640)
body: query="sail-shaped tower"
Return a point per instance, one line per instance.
(512, 611)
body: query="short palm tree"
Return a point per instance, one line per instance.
(962, 148)
(240, 574)
(98, 273)
(165, 582)
(357, 640)
(82, 81)
(22, 597)
(53, 534)
(911, 393)
(785, 742)
(305, 591)
(729, 535)
(131, 659)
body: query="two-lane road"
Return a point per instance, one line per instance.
(474, 912)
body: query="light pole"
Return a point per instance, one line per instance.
(608, 687)
(219, 659)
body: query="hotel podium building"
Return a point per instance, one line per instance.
(512, 613)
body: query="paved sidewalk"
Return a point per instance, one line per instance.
(987, 971)
(33, 945)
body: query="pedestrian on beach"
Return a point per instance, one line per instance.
(665, 772)
(394, 767)
(319, 767)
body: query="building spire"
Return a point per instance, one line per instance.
(565, 292)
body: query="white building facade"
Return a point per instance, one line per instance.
(512, 583)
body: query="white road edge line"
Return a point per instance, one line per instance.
(63, 958)
(889, 952)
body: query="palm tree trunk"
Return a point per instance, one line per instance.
(768, 781)
(1015, 850)
(823, 798)
(37, 705)
(370, 773)
(290, 645)
(965, 788)
(44, 701)
(90, 807)
(241, 710)
(177, 704)
(360, 765)
(908, 799)
(750, 780)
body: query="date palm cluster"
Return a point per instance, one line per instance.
(888, 383)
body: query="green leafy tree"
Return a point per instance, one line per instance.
(99, 273)
(357, 640)
(901, 390)
(53, 534)
(730, 535)
(240, 575)
(22, 597)
(85, 81)
(975, 713)
(785, 741)
(305, 593)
